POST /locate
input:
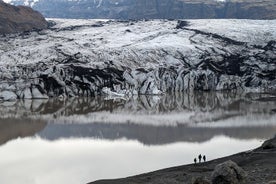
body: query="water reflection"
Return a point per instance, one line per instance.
(83, 139)
(71, 161)
(199, 101)
(152, 120)
(14, 128)
(153, 135)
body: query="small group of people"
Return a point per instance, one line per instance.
(199, 158)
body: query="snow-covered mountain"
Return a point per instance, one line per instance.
(22, 2)
(91, 57)
(141, 9)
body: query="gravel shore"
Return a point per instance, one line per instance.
(259, 164)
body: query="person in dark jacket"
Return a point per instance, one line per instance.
(199, 158)
(204, 158)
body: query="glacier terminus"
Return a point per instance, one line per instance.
(94, 57)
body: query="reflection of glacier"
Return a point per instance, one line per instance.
(209, 106)
(153, 135)
(194, 117)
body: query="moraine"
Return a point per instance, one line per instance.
(93, 57)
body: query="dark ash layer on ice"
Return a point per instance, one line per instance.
(118, 58)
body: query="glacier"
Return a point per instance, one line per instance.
(123, 58)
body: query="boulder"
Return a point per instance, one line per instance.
(229, 173)
(15, 19)
(269, 144)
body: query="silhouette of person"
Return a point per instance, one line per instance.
(199, 157)
(195, 161)
(204, 158)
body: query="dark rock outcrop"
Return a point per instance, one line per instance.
(228, 173)
(169, 9)
(269, 144)
(19, 19)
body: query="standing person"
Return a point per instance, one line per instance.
(195, 161)
(204, 158)
(199, 158)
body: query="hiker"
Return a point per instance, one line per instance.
(195, 161)
(204, 158)
(199, 158)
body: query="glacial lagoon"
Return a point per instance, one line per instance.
(79, 140)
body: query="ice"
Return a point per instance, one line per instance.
(7, 96)
(82, 57)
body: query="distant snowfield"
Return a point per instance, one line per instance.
(83, 57)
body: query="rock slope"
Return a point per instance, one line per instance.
(19, 19)
(90, 57)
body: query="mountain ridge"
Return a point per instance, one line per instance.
(19, 19)
(154, 9)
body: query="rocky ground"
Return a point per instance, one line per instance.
(254, 166)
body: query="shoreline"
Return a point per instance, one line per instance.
(259, 164)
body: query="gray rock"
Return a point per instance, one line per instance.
(229, 173)
(201, 180)
(269, 144)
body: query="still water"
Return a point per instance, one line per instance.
(84, 139)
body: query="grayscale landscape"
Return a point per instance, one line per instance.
(132, 92)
